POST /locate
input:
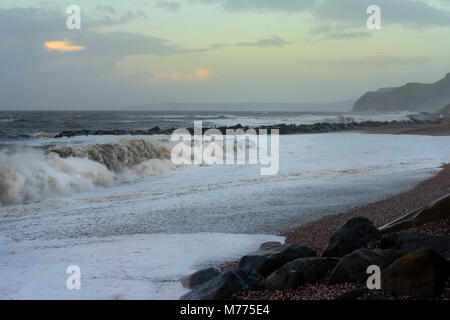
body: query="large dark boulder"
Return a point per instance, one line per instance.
(355, 234)
(199, 277)
(353, 267)
(298, 272)
(413, 241)
(272, 256)
(223, 286)
(421, 274)
(436, 210)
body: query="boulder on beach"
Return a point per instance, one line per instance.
(199, 277)
(298, 272)
(272, 256)
(436, 210)
(355, 234)
(413, 241)
(421, 274)
(223, 286)
(353, 267)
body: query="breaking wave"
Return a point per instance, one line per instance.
(28, 175)
(32, 175)
(121, 155)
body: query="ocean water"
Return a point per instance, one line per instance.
(135, 223)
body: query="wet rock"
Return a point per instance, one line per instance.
(273, 256)
(421, 274)
(413, 241)
(223, 286)
(353, 267)
(436, 210)
(298, 272)
(355, 234)
(270, 245)
(199, 277)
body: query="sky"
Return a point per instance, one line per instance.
(138, 52)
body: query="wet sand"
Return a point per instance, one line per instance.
(441, 129)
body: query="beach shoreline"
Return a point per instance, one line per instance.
(439, 129)
(316, 234)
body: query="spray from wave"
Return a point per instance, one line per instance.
(32, 175)
(28, 175)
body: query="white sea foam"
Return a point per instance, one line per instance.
(125, 267)
(31, 175)
(308, 119)
(133, 240)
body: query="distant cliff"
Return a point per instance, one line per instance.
(445, 110)
(412, 97)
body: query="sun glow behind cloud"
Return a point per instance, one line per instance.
(62, 46)
(218, 50)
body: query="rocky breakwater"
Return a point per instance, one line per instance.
(283, 128)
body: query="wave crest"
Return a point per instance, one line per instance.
(118, 156)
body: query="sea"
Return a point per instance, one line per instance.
(134, 222)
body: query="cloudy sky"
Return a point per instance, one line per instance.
(136, 52)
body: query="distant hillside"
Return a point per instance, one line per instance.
(445, 110)
(412, 97)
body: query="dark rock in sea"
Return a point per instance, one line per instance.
(272, 256)
(413, 241)
(436, 210)
(283, 128)
(223, 286)
(353, 267)
(199, 277)
(298, 272)
(356, 233)
(421, 274)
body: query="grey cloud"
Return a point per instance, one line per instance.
(107, 15)
(409, 13)
(123, 43)
(108, 9)
(272, 41)
(261, 5)
(168, 5)
(406, 12)
(27, 30)
(33, 76)
(347, 35)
